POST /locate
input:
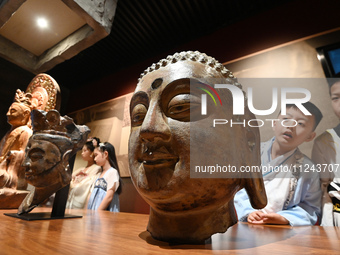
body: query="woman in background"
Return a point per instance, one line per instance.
(83, 179)
(108, 186)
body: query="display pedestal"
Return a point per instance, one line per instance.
(11, 198)
(58, 210)
(41, 216)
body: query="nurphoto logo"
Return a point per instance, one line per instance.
(238, 99)
(204, 97)
(239, 104)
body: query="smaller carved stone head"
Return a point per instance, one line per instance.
(54, 141)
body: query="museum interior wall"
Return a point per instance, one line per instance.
(255, 34)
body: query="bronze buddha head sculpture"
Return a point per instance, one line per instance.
(169, 135)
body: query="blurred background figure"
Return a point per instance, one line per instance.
(83, 178)
(105, 195)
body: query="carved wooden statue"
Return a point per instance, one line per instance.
(169, 135)
(12, 151)
(42, 93)
(54, 141)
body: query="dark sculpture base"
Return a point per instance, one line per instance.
(58, 209)
(41, 216)
(11, 198)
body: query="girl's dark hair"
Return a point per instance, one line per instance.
(331, 82)
(92, 143)
(112, 160)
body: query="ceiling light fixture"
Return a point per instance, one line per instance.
(42, 23)
(77, 25)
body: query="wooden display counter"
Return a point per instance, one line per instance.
(103, 232)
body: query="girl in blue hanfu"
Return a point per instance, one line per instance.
(108, 186)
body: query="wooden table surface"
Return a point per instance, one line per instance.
(103, 232)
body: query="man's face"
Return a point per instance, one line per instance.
(291, 137)
(17, 114)
(163, 133)
(335, 97)
(41, 158)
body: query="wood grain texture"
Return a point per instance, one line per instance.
(103, 232)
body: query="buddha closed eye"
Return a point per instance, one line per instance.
(36, 154)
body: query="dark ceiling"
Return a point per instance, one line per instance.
(143, 29)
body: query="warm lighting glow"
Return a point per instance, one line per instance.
(63, 28)
(42, 23)
(320, 57)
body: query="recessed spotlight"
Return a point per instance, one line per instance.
(42, 23)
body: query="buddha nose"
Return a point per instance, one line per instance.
(155, 125)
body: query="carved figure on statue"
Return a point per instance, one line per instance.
(45, 93)
(39, 98)
(54, 141)
(169, 135)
